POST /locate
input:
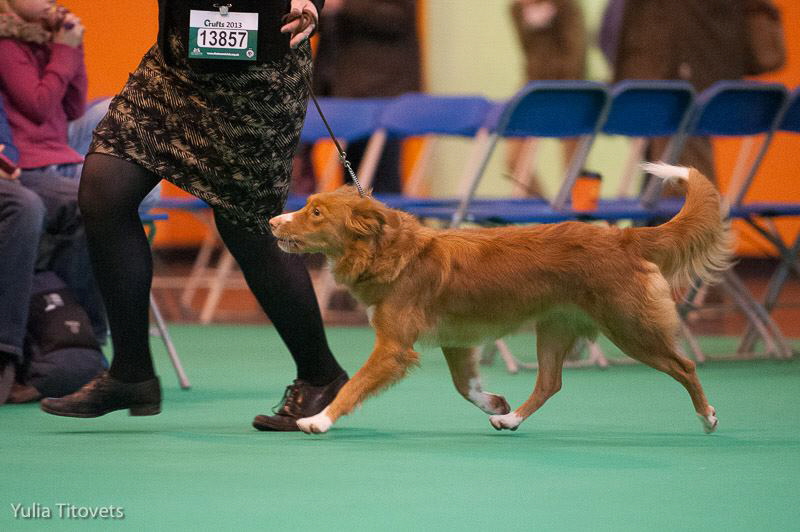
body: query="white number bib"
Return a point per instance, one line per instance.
(216, 36)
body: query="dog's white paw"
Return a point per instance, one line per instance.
(507, 421)
(315, 424)
(710, 421)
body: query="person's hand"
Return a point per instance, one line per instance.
(70, 32)
(300, 22)
(6, 175)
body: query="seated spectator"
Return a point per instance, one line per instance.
(47, 365)
(22, 216)
(43, 85)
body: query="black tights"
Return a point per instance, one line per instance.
(110, 193)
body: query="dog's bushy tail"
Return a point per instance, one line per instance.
(697, 242)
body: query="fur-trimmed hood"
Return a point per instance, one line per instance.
(14, 27)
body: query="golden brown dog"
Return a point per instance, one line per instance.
(458, 288)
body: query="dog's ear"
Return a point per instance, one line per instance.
(366, 218)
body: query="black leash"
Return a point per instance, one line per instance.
(307, 18)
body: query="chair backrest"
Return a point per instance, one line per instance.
(740, 109)
(553, 109)
(556, 109)
(645, 108)
(791, 117)
(350, 119)
(416, 114)
(431, 116)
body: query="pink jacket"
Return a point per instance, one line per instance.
(43, 86)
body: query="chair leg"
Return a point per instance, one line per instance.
(199, 268)
(161, 326)
(757, 316)
(776, 282)
(224, 268)
(694, 345)
(596, 355)
(512, 364)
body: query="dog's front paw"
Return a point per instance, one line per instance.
(710, 421)
(508, 421)
(315, 424)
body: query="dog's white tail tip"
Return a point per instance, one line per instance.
(666, 171)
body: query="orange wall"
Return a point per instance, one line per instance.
(777, 177)
(117, 35)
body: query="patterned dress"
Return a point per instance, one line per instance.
(227, 138)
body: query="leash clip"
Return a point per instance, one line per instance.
(223, 9)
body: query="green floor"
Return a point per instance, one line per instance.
(618, 449)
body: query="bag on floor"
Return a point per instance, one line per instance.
(61, 351)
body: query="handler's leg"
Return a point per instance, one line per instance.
(281, 284)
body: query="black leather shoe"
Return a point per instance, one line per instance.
(105, 394)
(299, 400)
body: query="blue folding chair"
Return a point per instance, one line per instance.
(753, 212)
(646, 109)
(432, 117)
(552, 109)
(741, 109)
(351, 120)
(639, 109)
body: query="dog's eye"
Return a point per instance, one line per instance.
(316, 212)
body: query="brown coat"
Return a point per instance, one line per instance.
(369, 48)
(701, 41)
(557, 51)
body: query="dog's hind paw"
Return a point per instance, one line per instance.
(710, 421)
(491, 403)
(315, 424)
(507, 421)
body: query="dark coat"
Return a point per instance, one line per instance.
(701, 41)
(370, 48)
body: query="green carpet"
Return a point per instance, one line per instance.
(619, 449)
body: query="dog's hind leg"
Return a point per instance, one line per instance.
(651, 339)
(555, 336)
(463, 364)
(388, 363)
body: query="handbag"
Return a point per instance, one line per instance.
(766, 43)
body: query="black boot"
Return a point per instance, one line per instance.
(105, 394)
(300, 400)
